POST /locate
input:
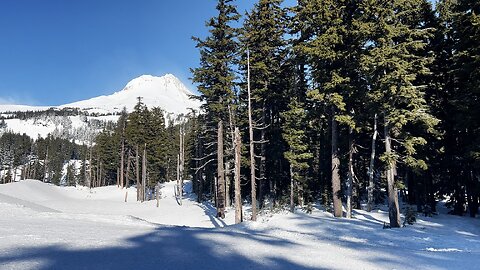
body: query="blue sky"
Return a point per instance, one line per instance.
(58, 51)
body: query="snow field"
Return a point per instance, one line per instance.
(48, 227)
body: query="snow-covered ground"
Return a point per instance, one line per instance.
(48, 227)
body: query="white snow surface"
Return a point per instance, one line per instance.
(47, 227)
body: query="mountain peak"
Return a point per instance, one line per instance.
(166, 92)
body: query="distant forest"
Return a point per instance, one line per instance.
(343, 103)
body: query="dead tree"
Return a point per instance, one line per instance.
(252, 147)
(371, 184)
(238, 193)
(144, 172)
(220, 173)
(336, 184)
(393, 208)
(122, 154)
(137, 173)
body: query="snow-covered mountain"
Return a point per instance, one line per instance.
(80, 120)
(166, 92)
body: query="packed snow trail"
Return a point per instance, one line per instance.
(79, 239)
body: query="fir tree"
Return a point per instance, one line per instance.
(395, 59)
(215, 78)
(298, 153)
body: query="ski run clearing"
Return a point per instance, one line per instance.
(48, 227)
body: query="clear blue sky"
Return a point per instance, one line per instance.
(58, 51)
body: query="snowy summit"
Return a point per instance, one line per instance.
(166, 92)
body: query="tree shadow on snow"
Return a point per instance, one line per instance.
(164, 248)
(400, 248)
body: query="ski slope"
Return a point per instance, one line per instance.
(48, 227)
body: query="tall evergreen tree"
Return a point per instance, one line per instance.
(331, 36)
(215, 78)
(297, 154)
(263, 34)
(395, 59)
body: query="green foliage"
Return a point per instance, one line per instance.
(298, 153)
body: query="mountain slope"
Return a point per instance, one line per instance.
(166, 92)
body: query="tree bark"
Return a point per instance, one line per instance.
(393, 208)
(45, 165)
(292, 191)
(227, 184)
(350, 174)
(252, 151)
(182, 160)
(371, 183)
(127, 176)
(137, 173)
(238, 193)
(122, 154)
(90, 169)
(336, 186)
(200, 173)
(220, 173)
(144, 172)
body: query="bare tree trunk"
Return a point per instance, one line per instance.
(228, 174)
(252, 151)
(137, 174)
(220, 173)
(182, 163)
(292, 191)
(127, 176)
(337, 200)
(371, 184)
(118, 177)
(122, 154)
(263, 158)
(238, 193)
(101, 179)
(157, 195)
(227, 184)
(45, 166)
(393, 208)
(350, 174)
(144, 172)
(90, 169)
(200, 173)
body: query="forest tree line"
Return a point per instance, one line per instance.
(343, 102)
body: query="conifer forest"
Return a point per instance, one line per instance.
(337, 103)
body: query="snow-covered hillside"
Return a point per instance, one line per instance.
(48, 227)
(166, 92)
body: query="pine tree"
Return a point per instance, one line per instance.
(215, 78)
(263, 36)
(331, 38)
(395, 59)
(297, 154)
